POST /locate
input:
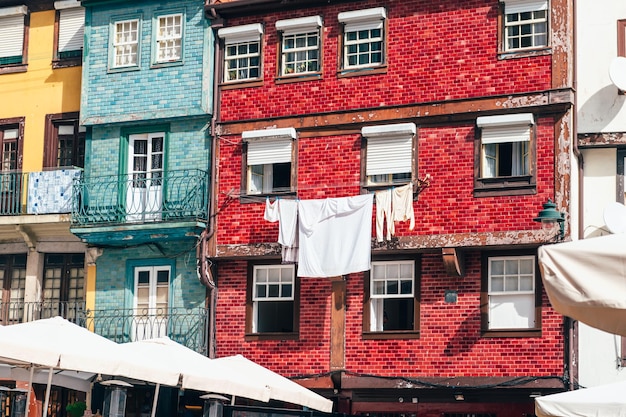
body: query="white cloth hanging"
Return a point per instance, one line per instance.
(402, 205)
(334, 236)
(285, 212)
(383, 211)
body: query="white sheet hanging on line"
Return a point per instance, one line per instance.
(335, 236)
(285, 212)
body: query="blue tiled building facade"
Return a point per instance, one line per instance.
(142, 201)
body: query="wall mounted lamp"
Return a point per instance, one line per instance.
(459, 396)
(550, 218)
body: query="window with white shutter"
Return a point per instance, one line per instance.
(242, 52)
(269, 160)
(506, 146)
(525, 24)
(389, 153)
(71, 28)
(12, 32)
(363, 38)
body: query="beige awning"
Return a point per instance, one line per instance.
(586, 280)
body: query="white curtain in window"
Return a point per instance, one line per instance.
(376, 314)
(71, 29)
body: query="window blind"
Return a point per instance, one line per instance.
(11, 35)
(389, 155)
(299, 25)
(269, 152)
(71, 29)
(241, 34)
(523, 6)
(503, 134)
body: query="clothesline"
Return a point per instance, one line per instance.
(421, 184)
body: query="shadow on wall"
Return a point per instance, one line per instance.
(600, 109)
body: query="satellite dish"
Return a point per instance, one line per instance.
(615, 217)
(617, 72)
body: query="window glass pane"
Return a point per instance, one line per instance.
(497, 267)
(526, 283)
(511, 267)
(379, 287)
(497, 284)
(511, 284)
(392, 287)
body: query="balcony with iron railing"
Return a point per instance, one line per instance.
(187, 326)
(140, 206)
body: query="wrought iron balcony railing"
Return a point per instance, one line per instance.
(141, 197)
(14, 312)
(189, 327)
(41, 192)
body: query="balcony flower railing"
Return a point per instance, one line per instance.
(40, 192)
(177, 195)
(189, 327)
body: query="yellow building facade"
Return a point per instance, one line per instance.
(43, 267)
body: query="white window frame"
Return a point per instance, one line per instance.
(297, 60)
(281, 281)
(240, 43)
(12, 25)
(368, 27)
(389, 153)
(512, 303)
(127, 47)
(264, 149)
(517, 9)
(71, 26)
(168, 45)
(154, 318)
(514, 129)
(377, 298)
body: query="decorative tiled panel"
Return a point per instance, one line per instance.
(51, 191)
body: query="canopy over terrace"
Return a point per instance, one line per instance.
(234, 375)
(71, 347)
(604, 400)
(586, 280)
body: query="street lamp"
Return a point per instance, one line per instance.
(550, 219)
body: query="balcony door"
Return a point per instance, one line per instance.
(10, 165)
(144, 194)
(152, 288)
(12, 288)
(63, 285)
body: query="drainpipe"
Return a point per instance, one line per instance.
(206, 273)
(572, 325)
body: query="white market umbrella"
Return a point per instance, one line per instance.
(600, 401)
(586, 280)
(191, 369)
(281, 388)
(57, 343)
(79, 381)
(235, 376)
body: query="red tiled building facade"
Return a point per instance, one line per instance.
(471, 103)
